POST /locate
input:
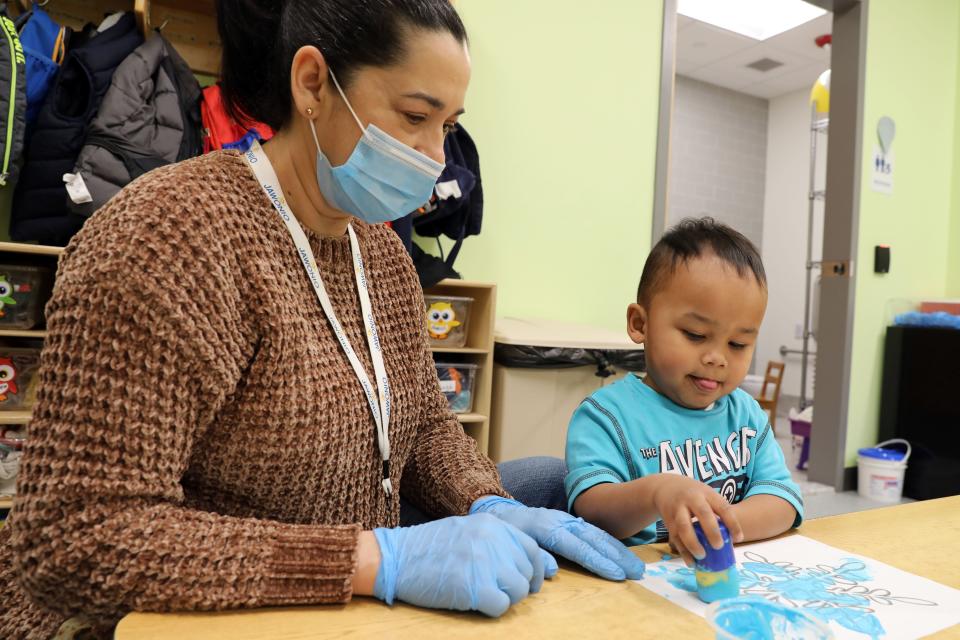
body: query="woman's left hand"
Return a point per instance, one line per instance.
(572, 538)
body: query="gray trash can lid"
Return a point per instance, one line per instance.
(553, 334)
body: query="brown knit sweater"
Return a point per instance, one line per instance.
(200, 440)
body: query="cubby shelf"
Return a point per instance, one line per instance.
(478, 350)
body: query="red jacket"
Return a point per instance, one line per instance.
(218, 127)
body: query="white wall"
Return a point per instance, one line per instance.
(785, 232)
(718, 150)
(746, 161)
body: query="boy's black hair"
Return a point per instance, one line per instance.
(691, 238)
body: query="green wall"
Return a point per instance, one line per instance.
(911, 76)
(563, 107)
(953, 264)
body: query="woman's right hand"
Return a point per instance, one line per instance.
(467, 563)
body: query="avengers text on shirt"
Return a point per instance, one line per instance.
(716, 462)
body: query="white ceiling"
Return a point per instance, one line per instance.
(720, 57)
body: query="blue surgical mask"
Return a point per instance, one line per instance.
(382, 180)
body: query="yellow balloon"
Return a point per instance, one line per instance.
(820, 94)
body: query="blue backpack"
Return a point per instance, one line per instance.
(44, 45)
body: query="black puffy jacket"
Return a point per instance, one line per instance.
(40, 211)
(149, 117)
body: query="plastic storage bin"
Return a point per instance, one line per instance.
(24, 291)
(18, 378)
(11, 448)
(458, 383)
(447, 318)
(9, 465)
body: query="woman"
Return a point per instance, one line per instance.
(225, 422)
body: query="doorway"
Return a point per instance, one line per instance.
(735, 142)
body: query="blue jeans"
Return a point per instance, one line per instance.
(536, 482)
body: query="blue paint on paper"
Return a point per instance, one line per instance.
(684, 579)
(834, 594)
(680, 577)
(831, 593)
(758, 619)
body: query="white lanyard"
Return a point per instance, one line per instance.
(260, 164)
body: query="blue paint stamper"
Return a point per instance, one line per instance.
(716, 573)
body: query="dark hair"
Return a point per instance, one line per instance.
(260, 38)
(691, 238)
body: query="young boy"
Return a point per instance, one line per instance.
(645, 456)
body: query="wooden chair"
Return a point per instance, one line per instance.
(768, 402)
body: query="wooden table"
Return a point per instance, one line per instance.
(920, 537)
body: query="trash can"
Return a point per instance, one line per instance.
(542, 372)
(801, 424)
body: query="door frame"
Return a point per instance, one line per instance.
(840, 229)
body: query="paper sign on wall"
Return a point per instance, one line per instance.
(881, 174)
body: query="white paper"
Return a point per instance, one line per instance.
(448, 189)
(857, 596)
(881, 171)
(77, 188)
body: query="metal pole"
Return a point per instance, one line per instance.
(784, 352)
(811, 198)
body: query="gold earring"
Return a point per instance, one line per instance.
(309, 111)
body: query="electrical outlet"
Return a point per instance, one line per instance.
(798, 331)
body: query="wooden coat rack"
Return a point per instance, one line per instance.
(190, 25)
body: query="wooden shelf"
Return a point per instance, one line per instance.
(463, 284)
(32, 249)
(15, 417)
(6, 503)
(21, 333)
(480, 350)
(203, 7)
(463, 350)
(190, 25)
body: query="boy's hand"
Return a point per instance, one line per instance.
(679, 499)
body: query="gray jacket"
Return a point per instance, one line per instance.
(149, 117)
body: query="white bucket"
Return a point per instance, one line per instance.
(880, 475)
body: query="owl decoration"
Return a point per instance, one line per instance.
(8, 378)
(6, 295)
(441, 320)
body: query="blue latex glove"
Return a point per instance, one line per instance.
(468, 563)
(570, 537)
